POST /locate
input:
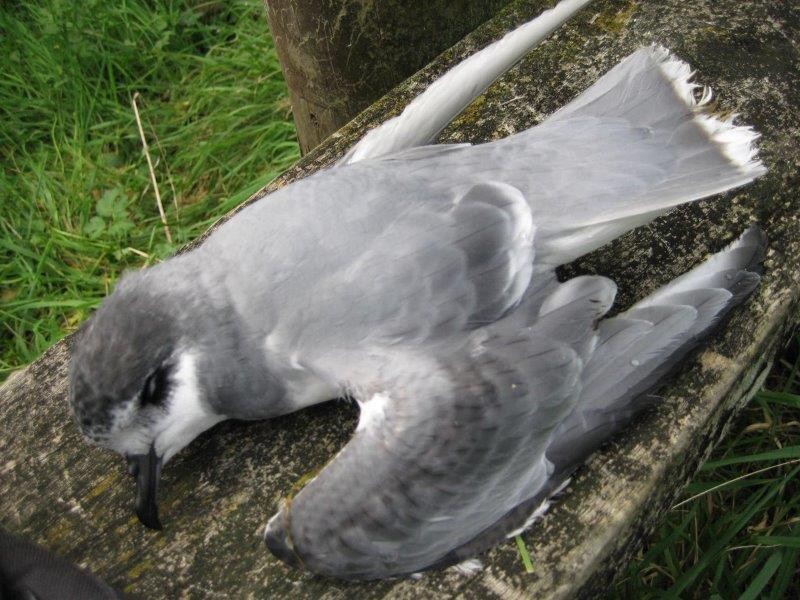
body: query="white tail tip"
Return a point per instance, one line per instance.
(737, 142)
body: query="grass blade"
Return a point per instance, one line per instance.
(761, 580)
(524, 554)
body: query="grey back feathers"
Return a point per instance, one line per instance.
(420, 280)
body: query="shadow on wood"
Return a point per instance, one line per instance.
(219, 492)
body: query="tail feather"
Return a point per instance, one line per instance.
(698, 154)
(660, 93)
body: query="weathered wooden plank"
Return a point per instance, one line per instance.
(219, 492)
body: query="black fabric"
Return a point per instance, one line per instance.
(30, 572)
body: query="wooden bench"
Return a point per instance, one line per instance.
(218, 493)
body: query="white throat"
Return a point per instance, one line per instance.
(187, 414)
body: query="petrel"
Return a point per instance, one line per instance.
(419, 279)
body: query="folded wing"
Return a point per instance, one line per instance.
(455, 450)
(444, 449)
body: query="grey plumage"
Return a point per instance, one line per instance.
(420, 280)
(465, 439)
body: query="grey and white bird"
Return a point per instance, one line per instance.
(419, 279)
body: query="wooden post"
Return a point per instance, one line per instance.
(339, 56)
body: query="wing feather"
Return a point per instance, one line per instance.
(448, 448)
(451, 455)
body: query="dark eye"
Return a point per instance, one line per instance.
(155, 387)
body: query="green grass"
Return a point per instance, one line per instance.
(76, 204)
(77, 207)
(736, 534)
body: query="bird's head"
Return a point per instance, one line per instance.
(135, 381)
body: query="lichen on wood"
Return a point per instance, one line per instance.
(218, 493)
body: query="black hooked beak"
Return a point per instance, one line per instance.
(146, 468)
